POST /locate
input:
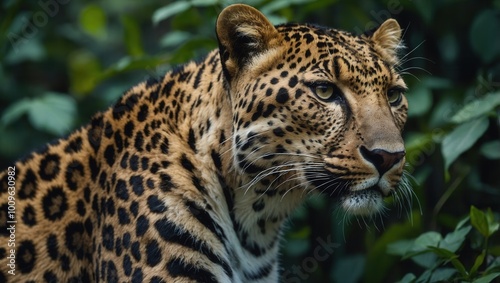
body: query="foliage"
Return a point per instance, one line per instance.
(60, 63)
(435, 253)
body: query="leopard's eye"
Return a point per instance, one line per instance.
(326, 91)
(394, 95)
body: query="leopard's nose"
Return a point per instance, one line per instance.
(382, 160)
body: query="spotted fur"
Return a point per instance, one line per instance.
(189, 178)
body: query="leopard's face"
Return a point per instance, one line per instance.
(321, 111)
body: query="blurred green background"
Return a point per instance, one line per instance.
(61, 61)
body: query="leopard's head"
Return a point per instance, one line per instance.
(314, 108)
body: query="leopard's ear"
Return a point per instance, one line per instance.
(243, 33)
(387, 40)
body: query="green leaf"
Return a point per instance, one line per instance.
(93, 21)
(485, 45)
(454, 240)
(462, 138)
(493, 225)
(408, 278)
(169, 10)
(477, 263)
(132, 36)
(491, 150)
(400, 247)
(15, 111)
(444, 253)
(487, 278)
(479, 221)
(425, 240)
(31, 50)
(442, 274)
(462, 222)
(53, 112)
(175, 38)
(204, 3)
(477, 108)
(452, 257)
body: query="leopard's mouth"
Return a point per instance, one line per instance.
(363, 202)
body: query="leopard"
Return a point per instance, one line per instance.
(192, 175)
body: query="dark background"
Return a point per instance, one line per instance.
(61, 61)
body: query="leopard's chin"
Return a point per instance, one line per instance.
(363, 202)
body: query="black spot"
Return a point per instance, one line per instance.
(136, 252)
(150, 183)
(89, 227)
(156, 279)
(269, 110)
(134, 208)
(103, 177)
(141, 226)
(75, 239)
(126, 240)
(166, 182)
(50, 277)
(128, 130)
(186, 163)
(74, 145)
(94, 168)
(279, 132)
(258, 205)
(134, 162)
(80, 207)
(143, 113)
(123, 162)
(108, 237)
(121, 190)
(192, 140)
(65, 262)
(293, 81)
(29, 216)
(112, 275)
(74, 171)
(127, 265)
(137, 185)
(204, 218)
(188, 240)
(109, 155)
(53, 247)
(217, 160)
(94, 132)
(118, 141)
(110, 205)
(144, 163)
(137, 276)
(118, 246)
(29, 185)
(282, 95)
(153, 253)
(246, 166)
(156, 205)
(123, 216)
(179, 268)
(139, 141)
(197, 184)
(108, 130)
(259, 274)
(54, 203)
(49, 167)
(26, 256)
